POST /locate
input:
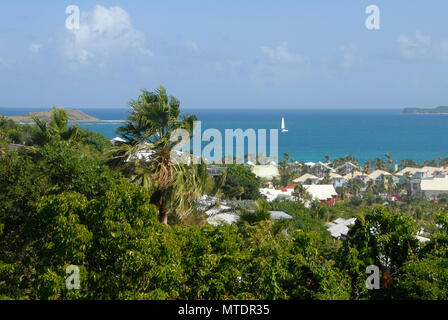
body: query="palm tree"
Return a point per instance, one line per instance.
(367, 167)
(56, 128)
(355, 185)
(389, 160)
(300, 192)
(154, 118)
(379, 164)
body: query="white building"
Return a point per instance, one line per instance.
(433, 188)
(323, 193)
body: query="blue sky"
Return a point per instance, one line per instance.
(225, 54)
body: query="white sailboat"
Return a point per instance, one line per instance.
(283, 125)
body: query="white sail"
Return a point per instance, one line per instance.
(283, 125)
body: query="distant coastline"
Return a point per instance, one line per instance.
(438, 110)
(73, 116)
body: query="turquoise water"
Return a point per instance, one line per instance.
(365, 134)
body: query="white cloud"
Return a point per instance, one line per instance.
(278, 64)
(192, 46)
(415, 47)
(349, 54)
(281, 55)
(102, 33)
(422, 47)
(35, 48)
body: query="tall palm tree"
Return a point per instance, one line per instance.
(154, 118)
(389, 160)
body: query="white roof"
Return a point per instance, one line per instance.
(409, 170)
(278, 215)
(272, 194)
(221, 218)
(305, 177)
(423, 239)
(118, 139)
(335, 175)
(375, 174)
(321, 192)
(212, 211)
(265, 171)
(436, 184)
(432, 169)
(426, 169)
(340, 227)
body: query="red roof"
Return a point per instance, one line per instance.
(292, 186)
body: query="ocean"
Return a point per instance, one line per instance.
(364, 134)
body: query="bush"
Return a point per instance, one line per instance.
(239, 176)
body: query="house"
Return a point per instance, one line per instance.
(378, 175)
(338, 180)
(347, 167)
(433, 188)
(320, 169)
(307, 179)
(414, 174)
(357, 175)
(323, 193)
(406, 170)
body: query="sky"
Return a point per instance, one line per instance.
(252, 54)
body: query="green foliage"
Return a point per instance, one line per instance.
(16, 133)
(260, 214)
(383, 238)
(425, 279)
(285, 171)
(243, 179)
(61, 205)
(95, 139)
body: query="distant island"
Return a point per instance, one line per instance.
(437, 110)
(73, 116)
